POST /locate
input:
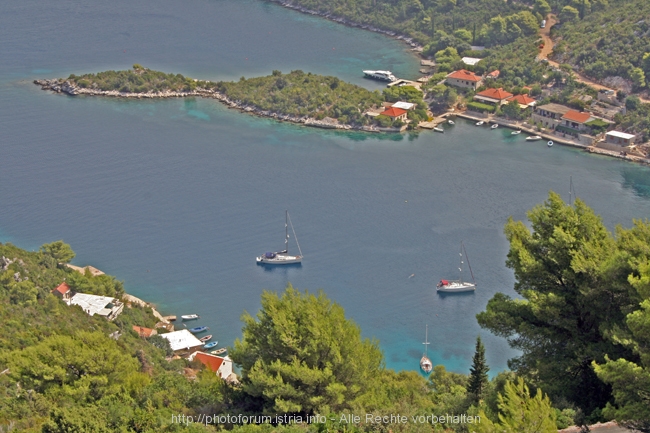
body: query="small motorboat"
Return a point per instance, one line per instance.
(219, 351)
(451, 122)
(211, 345)
(515, 133)
(550, 143)
(190, 317)
(480, 123)
(438, 129)
(495, 126)
(533, 138)
(198, 329)
(206, 338)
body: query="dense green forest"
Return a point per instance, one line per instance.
(607, 38)
(582, 324)
(304, 94)
(137, 80)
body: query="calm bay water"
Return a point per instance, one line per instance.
(176, 197)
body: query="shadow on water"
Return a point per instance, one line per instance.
(279, 270)
(454, 295)
(638, 179)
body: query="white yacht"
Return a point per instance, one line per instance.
(533, 138)
(381, 75)
(458, 286)
(282, 257)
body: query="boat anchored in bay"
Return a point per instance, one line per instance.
(425, 363)
(282, 257)
(458, 286)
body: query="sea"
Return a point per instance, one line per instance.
(177, 197)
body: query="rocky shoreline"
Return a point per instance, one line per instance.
(69, 88)
(406, 39)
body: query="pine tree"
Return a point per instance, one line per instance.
(478, 378)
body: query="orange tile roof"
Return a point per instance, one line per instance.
(213, 362)
(576, 116)
(144, 332)
(394, 112)
(494, 74)
(464, 75)
(523, 99)
(62, 288)
(498, 94)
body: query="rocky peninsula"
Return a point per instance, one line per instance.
(297, 97)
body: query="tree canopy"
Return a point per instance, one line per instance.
(572, 276)
(301, 355)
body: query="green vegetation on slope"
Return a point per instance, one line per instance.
(584, 304)
(138, 80)
(607, 38)
(304, 94)
(61, 372)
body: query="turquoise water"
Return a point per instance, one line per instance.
(177, 197)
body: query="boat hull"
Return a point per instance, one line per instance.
(279, 259)
(457, 287)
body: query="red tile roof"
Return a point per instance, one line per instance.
(394, 112)
(498, 94)
(576, 116)
(144, 332)
(213, 362)
(523, 99)
(62, 288)
(494, 74)
(464, 75)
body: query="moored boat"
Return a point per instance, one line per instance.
(479, 123)
(282, 257)
(533, 138)
(425, 363)
(198, 329)
(211, 345)
(550, 143)
(438, 129)
(190, 317)
(206, 338)
(380, 75)
(515, 132)
(495, 126)
(458, 286)
(219, 351)
(451, 122)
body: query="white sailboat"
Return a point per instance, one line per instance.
(425, 363)
(282, 257)
(458, 286)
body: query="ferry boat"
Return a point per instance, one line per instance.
(380, 75)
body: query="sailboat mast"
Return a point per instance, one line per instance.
(460, 265)
(286, 231)
(426, 340)
(468, 263)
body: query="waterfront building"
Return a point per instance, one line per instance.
(183, 342)
(524, 101)
(464, 79)
(221, 366)
(550, 115)
(493, 96)
(576, 120)
(104, 306)
(619, 138)
(395, 113)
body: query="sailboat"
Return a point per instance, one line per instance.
(425, 363)
(459, 285)
(282, 257)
